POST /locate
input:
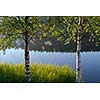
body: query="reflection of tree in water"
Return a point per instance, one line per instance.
(52, 45)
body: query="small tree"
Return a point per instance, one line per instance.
(24, 27)
(75, 28)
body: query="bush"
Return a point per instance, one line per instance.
(40, 73)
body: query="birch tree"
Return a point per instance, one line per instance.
(22, 27)
(75, 28)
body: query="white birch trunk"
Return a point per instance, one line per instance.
(27, 60)
(27, 57)
(78, 61)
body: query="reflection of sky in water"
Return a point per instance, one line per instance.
(17, 56)
(91, 66)
(12, 56)
(53, 58)
(90, 61)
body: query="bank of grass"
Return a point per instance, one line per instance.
(40, 73)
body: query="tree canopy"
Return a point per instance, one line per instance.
(66, 28)
(14, 27)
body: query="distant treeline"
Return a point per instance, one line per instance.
(52, 45)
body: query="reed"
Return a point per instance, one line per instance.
(40, 73)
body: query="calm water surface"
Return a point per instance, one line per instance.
(90, 61)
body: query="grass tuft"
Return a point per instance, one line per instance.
(40, 73)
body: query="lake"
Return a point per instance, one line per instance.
(89, 61)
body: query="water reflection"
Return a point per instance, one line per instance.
(91, 66)
(55, 58)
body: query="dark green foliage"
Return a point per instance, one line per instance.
(40, 73)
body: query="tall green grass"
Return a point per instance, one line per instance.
(40, 73)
